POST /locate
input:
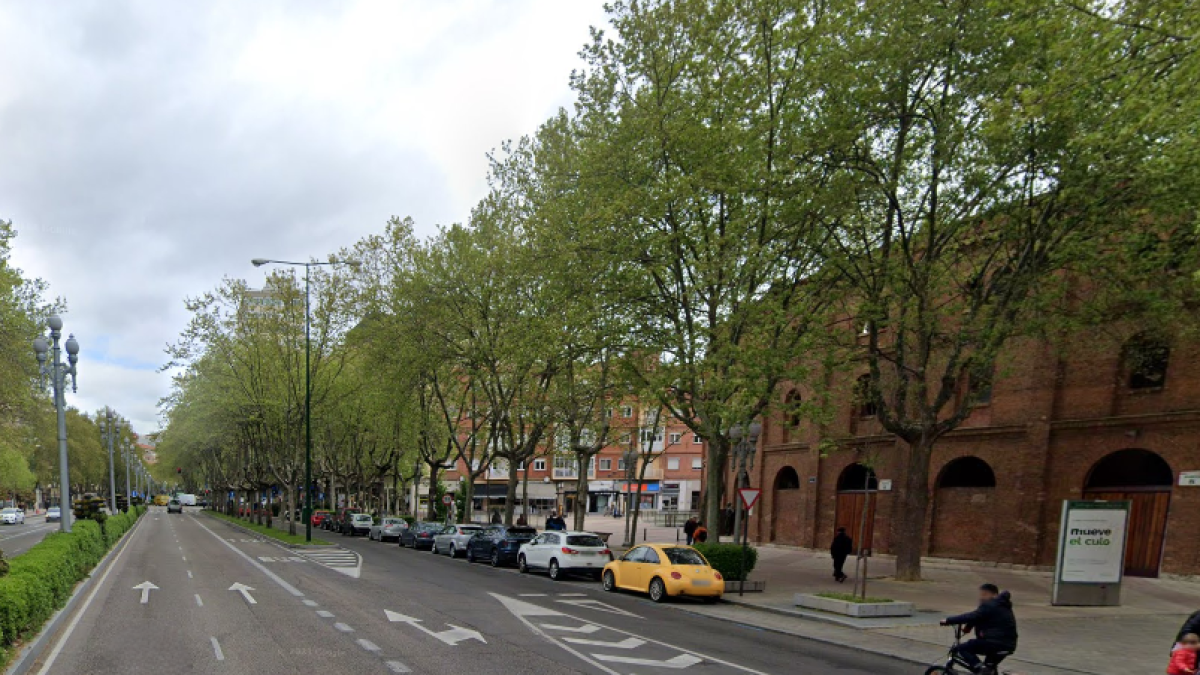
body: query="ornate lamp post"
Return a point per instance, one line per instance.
(58, 372)
(110, 428)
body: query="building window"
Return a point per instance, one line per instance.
(539, 465)
(621, 464)
(675, 438)
(672, 463)
(625, 438)
(864, 397)
(627, 411)
(521, 466)
(606, 465)
(1146, 358)
(697, 462)
(696, 439)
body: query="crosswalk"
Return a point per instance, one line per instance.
(339, 560)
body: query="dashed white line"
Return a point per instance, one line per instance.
(217, 649)
(189, 574)
(324, 614)
(310, 603)
(199, 602)
(185, 558)
(343, 627)
(571, 595)
(397, 667)
(533, 595)
(367, 645)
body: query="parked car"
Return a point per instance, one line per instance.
(499, 544)
(174, 506)
(359, 523)
(663, 571)
(53, 514)
(320, 516)
(419, 535)
(453, 539)
(342, 520)
(12, 516)
(561, 553)
(387, 528)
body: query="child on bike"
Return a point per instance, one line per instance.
(1183, 656)
(994, 623)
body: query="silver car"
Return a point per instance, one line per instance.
(11, 516)
(387, 528)
(453, 540)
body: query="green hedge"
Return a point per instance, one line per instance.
(40, 581)
(727, 559)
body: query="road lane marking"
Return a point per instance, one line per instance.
(199, 602)
(189, 574)
(586, 629)
(598, 606)
(452, 637)
(185, 558)
(678, 662)
(62, 640)
(343, 627)
(627, 643)
(324, 614)
(367, 645)
(310, 603)
(397, 667)
(217, 649)
(270, 575)
(533, 595)
(245, 591)
(145, 587)
(571, 595)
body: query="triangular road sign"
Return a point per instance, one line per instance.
(749, 496)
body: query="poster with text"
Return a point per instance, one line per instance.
(1093, 542)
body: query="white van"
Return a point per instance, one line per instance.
(186, 499)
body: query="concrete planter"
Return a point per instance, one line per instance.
(750, 586)
(855, 609)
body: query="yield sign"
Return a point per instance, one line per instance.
(749, 497)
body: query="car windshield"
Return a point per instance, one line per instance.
(392, 521)
(585, 540)
(9, 511)
(469, 528)
(521, 533)
(53, 509)
(361, 516)
(429, 527)
(684, 556)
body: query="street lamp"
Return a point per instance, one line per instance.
(58, 373)
(744, 445)
(110, 427)
(308, 506)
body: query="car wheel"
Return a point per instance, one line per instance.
(470, 555)
(433, 548)
(453, 551)
(609, 582)
(495, 557)
(521, 566)
(554, 571)
(400, 542)
(658, 590)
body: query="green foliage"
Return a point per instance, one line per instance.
(727, 559)
(850, 597)
(41, 580)
(271, 532)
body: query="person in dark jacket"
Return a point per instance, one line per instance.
(994, 624)
(689, 529)
(840, 549)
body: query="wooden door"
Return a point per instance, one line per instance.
(849, 515)
(1147, 528)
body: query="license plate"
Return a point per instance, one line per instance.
(701, 582)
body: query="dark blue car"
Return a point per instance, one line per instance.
(499, 544)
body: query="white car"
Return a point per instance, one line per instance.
(11, 516)
(53, 514)
(560, 553)
(453, 540)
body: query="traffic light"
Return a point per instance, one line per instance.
(179, 469)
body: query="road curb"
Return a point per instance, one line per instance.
(29, 655)
(273, 540)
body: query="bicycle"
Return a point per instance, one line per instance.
(955, 665)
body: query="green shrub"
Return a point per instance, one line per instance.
(850, 597)
(727, 559)
(41, 580)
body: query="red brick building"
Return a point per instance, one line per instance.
(1085, 421)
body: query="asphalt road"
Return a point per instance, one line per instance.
(16, 539)
(223, 601)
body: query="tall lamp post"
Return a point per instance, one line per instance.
(110, 427)
(308, 507)
(58, 372)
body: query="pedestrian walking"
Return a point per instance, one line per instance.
(495, 517)
(727, 519)
(840, 549)
(689, 529)
(701, 534)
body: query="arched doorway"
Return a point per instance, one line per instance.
(1145, 479)
(963, 503)
(856, 493)
(785, 506)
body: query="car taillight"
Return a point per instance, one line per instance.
(569, 551)
(606, 552)
(718, 576)
(676, 576)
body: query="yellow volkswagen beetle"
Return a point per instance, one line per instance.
(663, 571)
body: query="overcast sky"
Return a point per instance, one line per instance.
(148, 149)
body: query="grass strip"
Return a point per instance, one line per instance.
(279, 535)
(848, 597)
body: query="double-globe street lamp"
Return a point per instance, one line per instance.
(308, 506)
(57, 371)
(110, 430)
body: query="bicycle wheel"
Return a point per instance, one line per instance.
(938, 670)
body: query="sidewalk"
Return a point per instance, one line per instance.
(1130, 639)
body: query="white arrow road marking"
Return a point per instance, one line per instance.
(627, 643)
(586, 629)
(245, 591)
(452, 637)
(145, 587)
(678, 662)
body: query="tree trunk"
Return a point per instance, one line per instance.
(431, 513)
(510, 497)
(581, 487)
(714, 470)
(291, 507)
(908, 533)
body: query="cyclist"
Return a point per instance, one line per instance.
(994, 623)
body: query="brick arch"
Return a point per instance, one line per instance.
(1145, 479)
(786, 505)
(964, 504)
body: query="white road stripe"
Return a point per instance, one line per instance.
(324, 614)
(310, 603)
(397, 667)
(259, 566)
(199, 602)
(343, 627)
(217, 649)
(367, 645)
(189, 574)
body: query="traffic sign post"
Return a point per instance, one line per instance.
(448, 502)
(749, 497)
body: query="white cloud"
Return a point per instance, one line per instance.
(151, 148)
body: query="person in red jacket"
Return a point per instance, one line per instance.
(1183, 657)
